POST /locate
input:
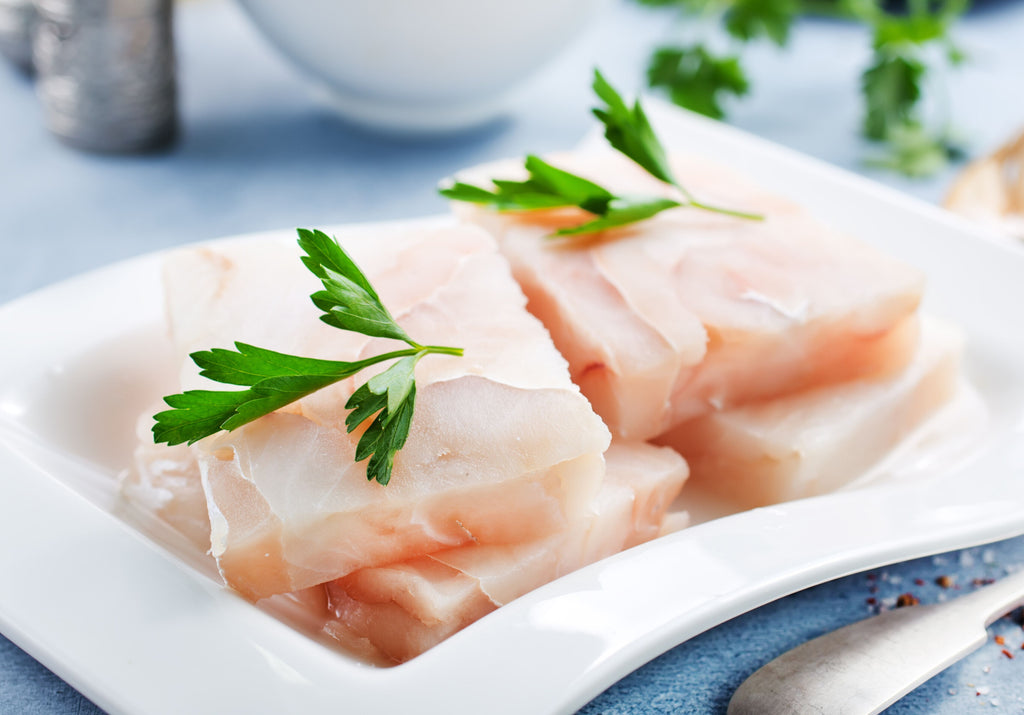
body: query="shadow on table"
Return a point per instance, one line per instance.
(315, 138)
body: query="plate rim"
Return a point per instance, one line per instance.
(595, 663)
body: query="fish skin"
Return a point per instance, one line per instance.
(692, 311)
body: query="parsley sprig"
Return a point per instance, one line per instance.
(348, 302)
(550, 187)
(894, 84)
(696, 78)
(628, 130)
(907, 49)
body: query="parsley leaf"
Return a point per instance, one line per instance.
(696, 79)
(348, 302)
(910, 29)
(274, 380)
(508, 196)
(551, 187)
(392, 396)
(621, 211)
(749, 19)
(628, 130)
(892, 87)
(196, 414)
(548, 187)
(571, 187)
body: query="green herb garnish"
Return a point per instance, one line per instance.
(274, 380)
(915, 152)
(697, 79)
(628, 131)
(893, 85)
(547, 187)
(906, 49)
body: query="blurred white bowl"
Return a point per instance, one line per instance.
(420, 64)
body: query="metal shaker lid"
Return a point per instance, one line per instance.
(100, 10)
(16, 18)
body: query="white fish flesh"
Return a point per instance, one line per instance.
(819, 440)
(403, 609)
(692, 311)
(165, 482)
(498, 433)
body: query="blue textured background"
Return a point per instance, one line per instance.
(257, 152)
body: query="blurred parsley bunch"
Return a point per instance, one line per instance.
(907, 48)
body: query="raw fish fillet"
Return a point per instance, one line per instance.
(165, 482)
(405, 608)
(497, 434)
(819, 440)
(691, 311)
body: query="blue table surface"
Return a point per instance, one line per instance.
(258, 151)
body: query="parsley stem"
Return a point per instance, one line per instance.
(384, 357)
(691, 201)
(441, 350)
(417, 349)
(728, 212)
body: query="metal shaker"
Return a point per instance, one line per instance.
(16, 18)
(105, 73)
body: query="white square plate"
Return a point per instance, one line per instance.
(139, 627)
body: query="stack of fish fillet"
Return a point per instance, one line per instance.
(780, 358)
